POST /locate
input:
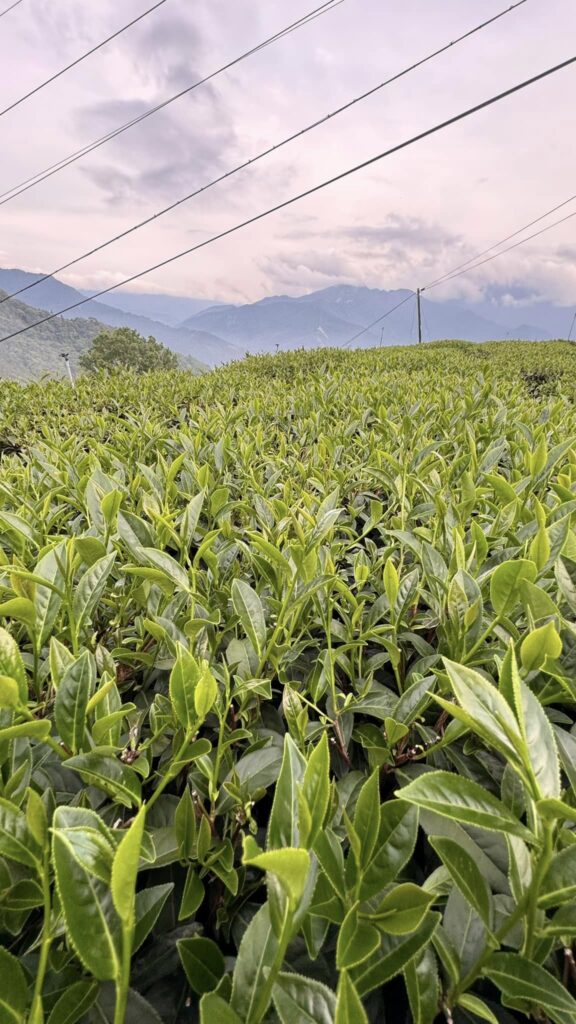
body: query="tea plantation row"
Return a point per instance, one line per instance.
(287, 691)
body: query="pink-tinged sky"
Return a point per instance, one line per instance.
(398, 224)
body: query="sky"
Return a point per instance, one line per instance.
(398, 224)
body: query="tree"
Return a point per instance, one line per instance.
(124, 348)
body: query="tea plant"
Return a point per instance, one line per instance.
(287, 662)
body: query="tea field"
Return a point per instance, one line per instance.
(288, 691)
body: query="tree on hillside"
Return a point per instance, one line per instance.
(124, 348)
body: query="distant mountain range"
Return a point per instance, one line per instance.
(214, 333)
(53, 295)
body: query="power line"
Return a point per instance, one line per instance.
(302, 195)
(571, 327)
(55, 168)
(509, 248)
(449, 277)
(379, 320)
(80, 59)
(496, 245)
(260, 156)
(11, 8)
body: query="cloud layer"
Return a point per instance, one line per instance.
(397, 224)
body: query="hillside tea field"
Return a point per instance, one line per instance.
(287, 691)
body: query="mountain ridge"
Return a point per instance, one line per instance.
(53, 295)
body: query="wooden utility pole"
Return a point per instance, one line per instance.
(419, 316)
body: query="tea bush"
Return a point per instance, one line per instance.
(287, 691)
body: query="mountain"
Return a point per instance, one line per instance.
(168, 309)
(216, 334)
(513, 306)
(334, 315)
(53, 295)
(38, 351)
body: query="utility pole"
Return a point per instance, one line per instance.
(571, 327)
(381, 337)
(419, 316)
(66, 357)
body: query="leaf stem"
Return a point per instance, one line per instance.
(123, 981)
(48, 740)
(46, 941)
(279, 625)
(534, 890)
(170, 774)
(529, 902)
(263, 1000)
(481, 640)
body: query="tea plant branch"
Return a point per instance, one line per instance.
(46, 939)
(528, 906)
(481, 640)
(48, 740)
(173, 770)
(123, 980)
(280, 625)
(540, 870)
(263, 999)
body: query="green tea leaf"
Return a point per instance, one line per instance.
(11, 664)
(291, 867)
(349, 1009)
(301, 1000)
(183, 681)
(283, 827)
(203, 963)
(521, 979)
(489, 713)
(393, 849)
(475, 1005)
(256, 955)
(455, 797)
(205, 692)
(357, 940)
(467, 876)
(505, 583)
(214, 1010)
(315, 791)
(559, 883)
(110, 775)
(17, 842)
(72, 698)
(90, 590)
(248, 608)
(396, 951)
(9, 692)
(125, 870)
(538, 645)
(423, 986)
(13, 989)
(74, 1003)
(401, 910)
(149, 905)
(92, 924)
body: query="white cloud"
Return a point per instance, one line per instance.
(413, 216)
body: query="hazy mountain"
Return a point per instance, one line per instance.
(168, 309)
(221, 333)
(38, 351)
(53, 295)
(514, 307)
(334, 315)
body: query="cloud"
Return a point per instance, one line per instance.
(169, 154)
(169, 50)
